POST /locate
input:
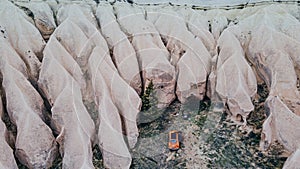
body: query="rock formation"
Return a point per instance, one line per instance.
(35, 144)
(188, 54)
(85, 57)
(235, 80)
(61, 80)
(151, 52)
(42, 16)
(72, 73)
(123, 53)
(23, 36)
(115, 152)
(7, 159)
(273, 52)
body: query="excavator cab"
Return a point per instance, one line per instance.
(174, 140)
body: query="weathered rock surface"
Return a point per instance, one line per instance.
(91, 66)
(61, 80)
(293, 161)
(198, 24)
(151, 52)
(35, 144)
(70, 118)
(114, 149)
(89, 55)
(42, 15)
(235, 81)
(218, 22)
(277, 69)
(281, 125)
(23, 36)
(188, 54)
(271, 50)
(123, 54)
(7, 159)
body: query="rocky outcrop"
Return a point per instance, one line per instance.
(7, 159)
(70, 118)
(218, 22)
(277, 69)
(293, 161)
(235, 80)
(21, 45)
(198, 24)
(188, 54)
(281, 125)
(114, 150)
(123, 54)
(98, 57)
(42, 15)
(23, 36)
(86, 58)
(273, 52)
(61, 80)
(151, 52)
(35, 144)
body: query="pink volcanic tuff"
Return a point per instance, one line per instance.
(89, 56)
(7, 159)
(35, 144)
(235, 80)
(123, 53)
(25, 37)
(188, 54)
(152, 55)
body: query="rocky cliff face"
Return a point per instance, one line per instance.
(73, 73)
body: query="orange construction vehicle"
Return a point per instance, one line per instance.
(174, 140)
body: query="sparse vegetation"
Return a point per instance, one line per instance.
(148, 98)
(230, 147)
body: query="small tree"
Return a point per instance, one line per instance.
(148, 99)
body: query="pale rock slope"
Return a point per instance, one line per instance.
(235, 80)
(123, 54)
(152, 55)
(114, 149)
(81, 43)
(124, 97)
(23, 36)
(35, 145)
(198, 24)
(7, 159)
(188, 54)
(274, 52)
(21, 46)
(293, 161)
(218, 21)
(42, 16)
(276, 67)
(61, 80)
(89, 62)
(70, 118)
